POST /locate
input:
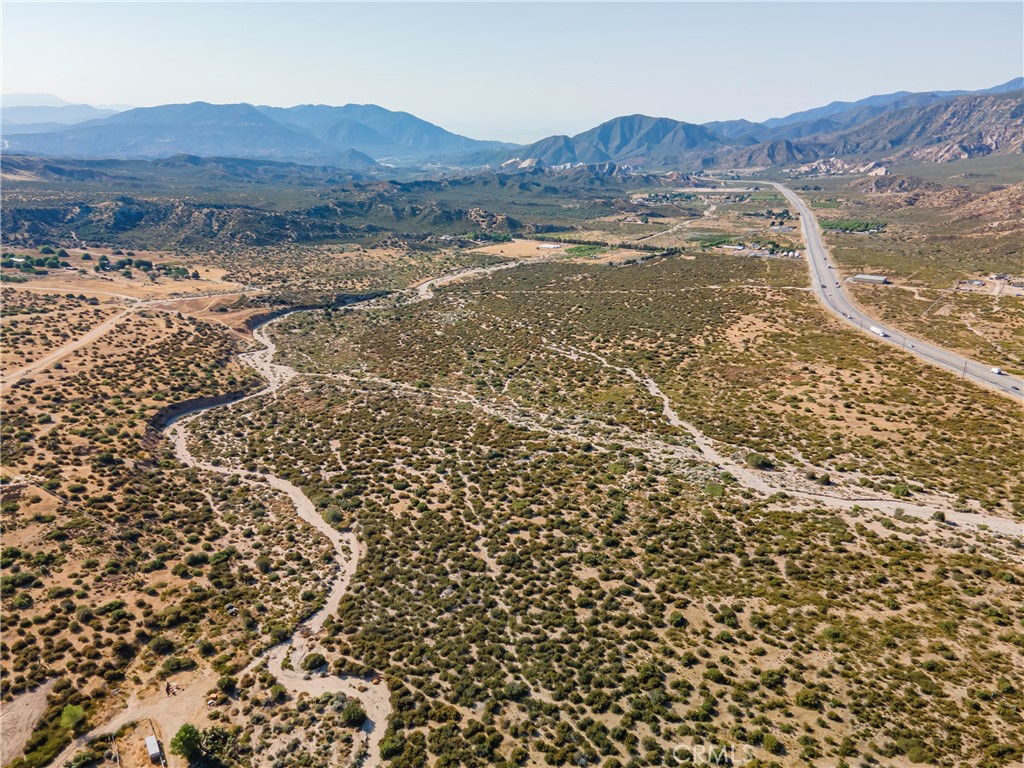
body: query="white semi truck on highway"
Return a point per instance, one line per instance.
(879, 331)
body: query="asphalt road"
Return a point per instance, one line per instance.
(830, 292)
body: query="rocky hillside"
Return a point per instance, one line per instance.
(962, 127)
(139, 222)
(909, 127)
(996, 211)
(952, 129)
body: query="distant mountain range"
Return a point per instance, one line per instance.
(965, 124)
(949, 129)
(847, 112)
(939, 125)
(346, 137)
(44, 119)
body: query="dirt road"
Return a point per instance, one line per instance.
(12, 378)
(18, 719)
(769, 483)
(189, 703)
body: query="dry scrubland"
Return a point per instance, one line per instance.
(36, 324)
(933, 237)
(544, 582)
(552, 574)
(165, 274)
(123, 570)
(306, 272)
(119, 567)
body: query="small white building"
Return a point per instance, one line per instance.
(549, 246)
(153, 747)
(873, 279)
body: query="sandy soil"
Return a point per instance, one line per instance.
(114, 284)
(18, 719)
(521, 249)
(170, 304)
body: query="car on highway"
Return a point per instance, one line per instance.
(997, 371)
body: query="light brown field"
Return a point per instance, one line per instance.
(522, 249)
(114, 284)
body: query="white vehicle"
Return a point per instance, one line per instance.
(879, 331)
(997, 371)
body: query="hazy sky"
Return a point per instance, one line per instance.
(510, 71)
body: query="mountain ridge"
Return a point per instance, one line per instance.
(357, 136)
(306, 134)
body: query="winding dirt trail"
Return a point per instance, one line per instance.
(348, 549)
(770, 483)
(425, 290)
(283, 660)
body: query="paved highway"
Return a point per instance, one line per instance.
(829, 290)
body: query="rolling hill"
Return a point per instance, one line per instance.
(188, 172)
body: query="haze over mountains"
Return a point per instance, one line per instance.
(940, 125)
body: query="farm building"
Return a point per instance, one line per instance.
(873, 279)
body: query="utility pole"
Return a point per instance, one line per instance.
(963, 373)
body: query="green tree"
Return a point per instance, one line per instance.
(187, 742)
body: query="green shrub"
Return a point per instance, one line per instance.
(72, 716)
(353, 714)
(808, 699)
(314, 661)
